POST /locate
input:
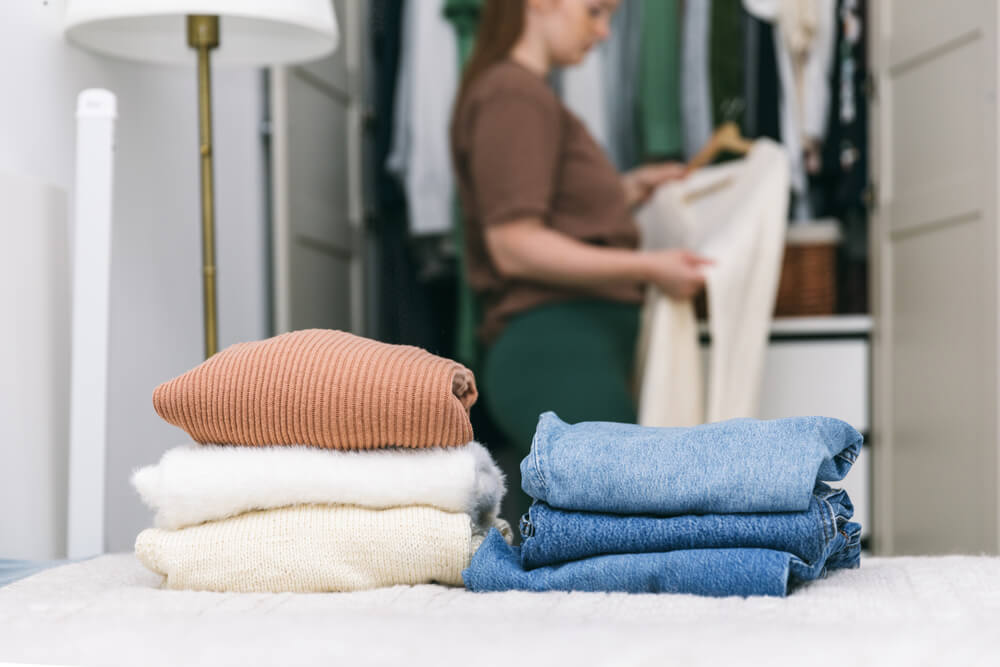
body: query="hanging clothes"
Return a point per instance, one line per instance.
(804, 51)
(839, 189)
(696, 98)
(409, 311)
(425, 92)
(583, 92)
(385, 39)
(761, 87)
(464, 18)
(602, 91)
(621, 63)
(735, 214)
(726, 62)
(661, 134)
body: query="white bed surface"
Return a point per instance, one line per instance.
(898, 611)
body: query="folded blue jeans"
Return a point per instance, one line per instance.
(496, 566)
(735, 466)
(550, 536)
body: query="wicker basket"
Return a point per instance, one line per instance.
(808, 284)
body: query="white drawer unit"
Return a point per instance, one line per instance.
(816, 377)
(820, 366)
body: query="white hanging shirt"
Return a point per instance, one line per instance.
(735, 214)
(425, 92)
(804, 43)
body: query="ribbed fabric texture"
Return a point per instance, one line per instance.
(313, 548)
(322, 388)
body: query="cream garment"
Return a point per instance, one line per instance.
(735, 214)
(805, 34)
(196, 483)
(313, 549)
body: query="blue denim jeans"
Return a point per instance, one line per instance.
(715, 572)
(740, 465)
(550, 536)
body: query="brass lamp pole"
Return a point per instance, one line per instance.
(263, 33)
(203, 36)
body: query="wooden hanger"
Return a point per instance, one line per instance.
(726, 138)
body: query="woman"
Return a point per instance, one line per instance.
(551, 245)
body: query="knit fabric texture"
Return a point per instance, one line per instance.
(312, 549)
(322, 388)
(197, 483)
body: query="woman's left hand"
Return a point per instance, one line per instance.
(639, 183)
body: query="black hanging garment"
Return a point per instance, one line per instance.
(762, 85)
(840, 185)
(410, 311)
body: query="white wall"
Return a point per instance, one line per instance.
(34, 357)
(156, 323)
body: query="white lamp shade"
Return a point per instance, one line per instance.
(251, 32)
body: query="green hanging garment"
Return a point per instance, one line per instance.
(464, 18)
(659, 104)
(726, 62)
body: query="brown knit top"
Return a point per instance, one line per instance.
(322, 388)
(520, 154)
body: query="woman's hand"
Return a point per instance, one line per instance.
(676, 272)
(641, 182)
(528, 250)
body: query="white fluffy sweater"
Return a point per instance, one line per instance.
(196, 483)
(314, 548)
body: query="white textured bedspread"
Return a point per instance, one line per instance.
(895, 611)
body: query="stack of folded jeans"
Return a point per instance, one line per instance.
(739, 507)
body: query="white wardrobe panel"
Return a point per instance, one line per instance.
(935, 122)
(318, 251)
(944, 454)
(34, 367)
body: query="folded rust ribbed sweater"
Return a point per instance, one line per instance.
(323, 388)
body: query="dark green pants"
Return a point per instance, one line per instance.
(572, 358)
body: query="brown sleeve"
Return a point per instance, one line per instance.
(513, 157)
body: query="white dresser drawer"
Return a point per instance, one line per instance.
(814, 377)
(828, 377)
(817, 377)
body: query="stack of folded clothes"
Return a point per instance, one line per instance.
(731, 508)
(328, 462)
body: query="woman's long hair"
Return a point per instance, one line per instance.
(500, 26)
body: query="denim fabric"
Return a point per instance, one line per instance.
(552, 536)
(715, 572)
(740, 465)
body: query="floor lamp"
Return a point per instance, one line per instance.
(195, 32)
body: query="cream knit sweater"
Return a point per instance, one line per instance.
(314, 548)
